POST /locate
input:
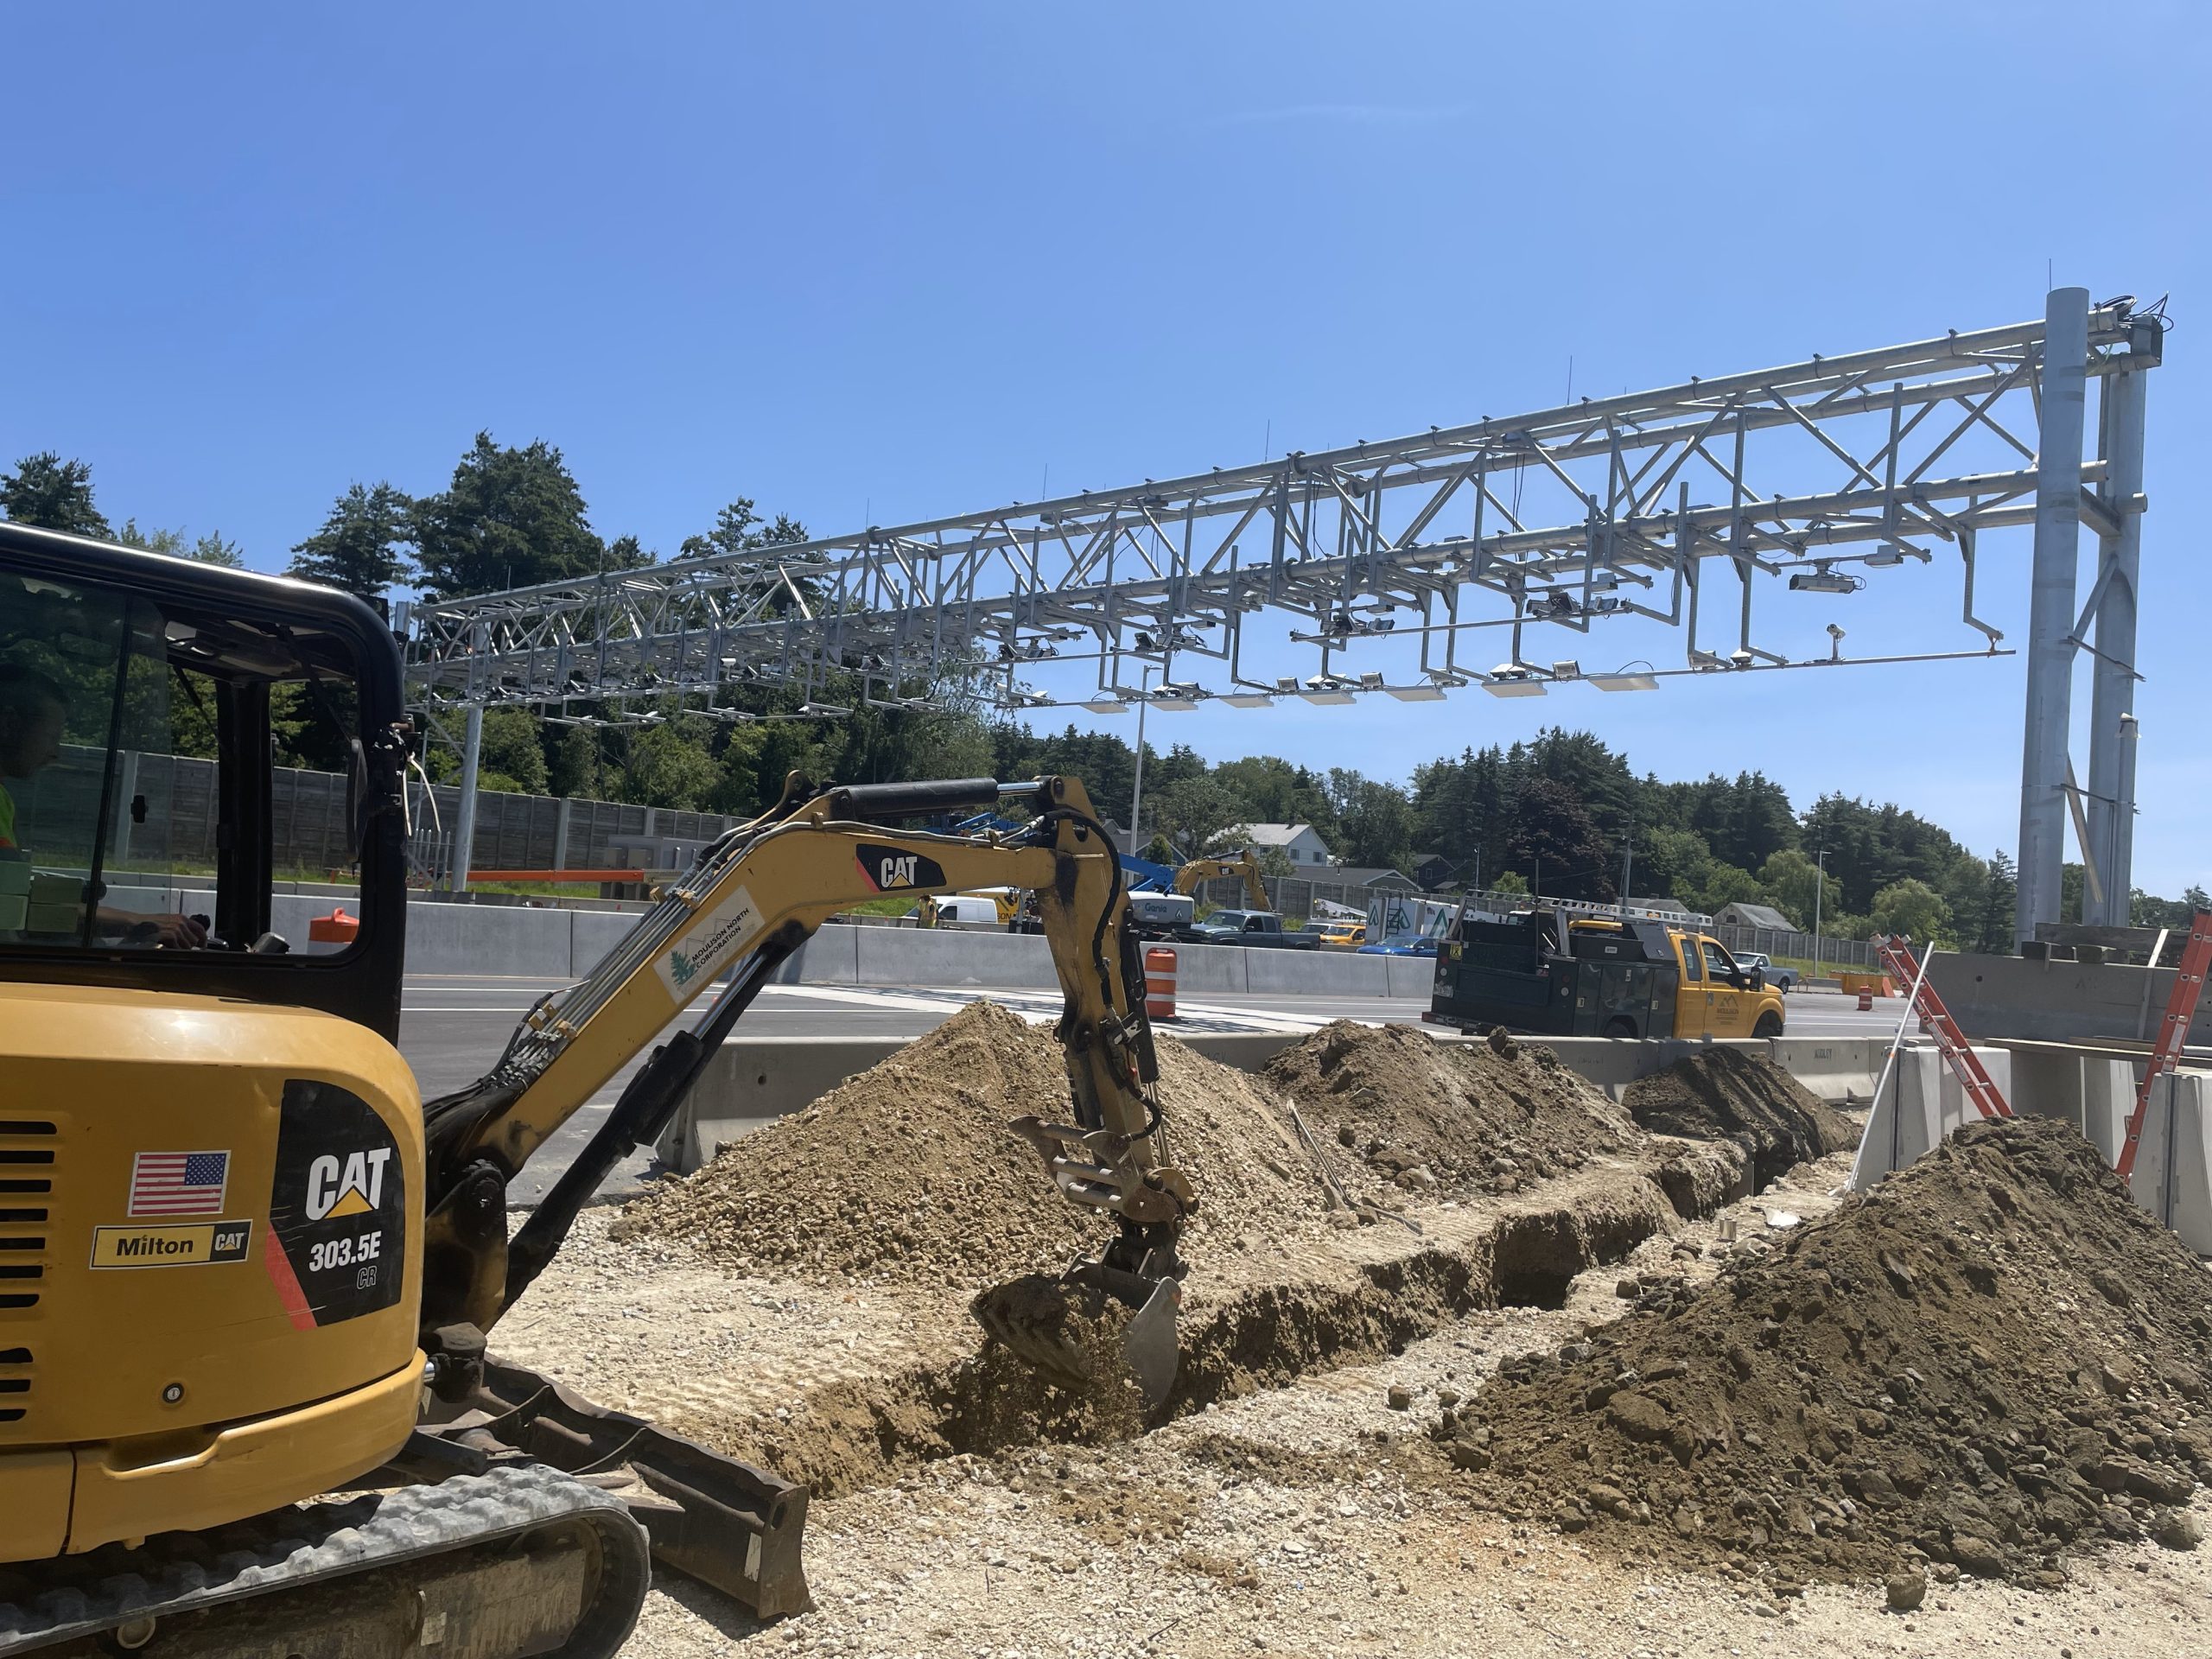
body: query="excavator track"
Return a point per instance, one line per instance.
(518, 1561)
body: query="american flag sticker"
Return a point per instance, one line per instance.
(179, 1183)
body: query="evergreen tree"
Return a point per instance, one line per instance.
(357, 548)
(1553, 840)
(169, 542)
(50, 493)
(510, 519)
(740, 528)
(211, 549)
(1993, 926)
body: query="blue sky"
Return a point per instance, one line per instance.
(873, 264)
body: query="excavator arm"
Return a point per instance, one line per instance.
(1190, 874)
(752, 899)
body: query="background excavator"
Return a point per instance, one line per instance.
(244, 1266)
(1191, 873)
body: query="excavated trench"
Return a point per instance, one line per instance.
(1328, 1311)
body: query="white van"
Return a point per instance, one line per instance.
(975, 912)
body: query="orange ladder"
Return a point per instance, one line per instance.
(2173, 1031)
(1896, 960)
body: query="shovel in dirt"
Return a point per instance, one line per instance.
(1092, 1324)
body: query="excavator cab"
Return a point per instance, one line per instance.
(141, 702)
(183, 1271)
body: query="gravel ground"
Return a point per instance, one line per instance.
(1312, 1519)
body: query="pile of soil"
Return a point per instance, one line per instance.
(1419, 1115)
(909, 1173)
(1991, 1357)
(1725, 1094)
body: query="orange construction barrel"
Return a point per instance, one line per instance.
(1159, 983)
(337, 928)
(1866, 998)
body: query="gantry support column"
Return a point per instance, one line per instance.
(2112, 716)
(2050, 613)
(464, 822)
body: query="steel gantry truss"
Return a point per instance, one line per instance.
(1573, 518)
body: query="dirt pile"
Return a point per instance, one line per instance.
(1992, 1355)
(1416, 1115)
(1727, 1094)
(908, 1172)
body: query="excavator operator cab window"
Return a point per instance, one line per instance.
(140, 741)
(88, 740)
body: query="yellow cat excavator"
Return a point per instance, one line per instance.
(1192, 872)
(247, 1276)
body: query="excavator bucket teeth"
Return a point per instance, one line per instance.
(1092, 1321)
(722, 1521)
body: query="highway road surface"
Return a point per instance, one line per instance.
(453, 1027)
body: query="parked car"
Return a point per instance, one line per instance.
(1401, 944)
(1343, 935)
(1782, 979)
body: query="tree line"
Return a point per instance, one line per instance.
(1562, 814)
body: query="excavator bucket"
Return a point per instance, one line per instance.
(722, 1521)
(1089, 1325)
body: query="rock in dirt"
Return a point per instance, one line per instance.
(1467, 1114)
(1725, 1093)
(2179, 1531)
(909, 1173)
(1922, 1374)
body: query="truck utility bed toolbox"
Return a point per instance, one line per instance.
(1519, 973)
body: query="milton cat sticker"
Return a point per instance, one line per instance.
(337, 1239)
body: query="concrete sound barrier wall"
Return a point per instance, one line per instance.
(839, 955)
(2109, 1088)
(2056, 1001)
(1211, 971)
(1840, 1069)
(2172, 1177)
(1922, 1104)
(938, 956)
(1315, 973)
(1410, 976)
(488, 939)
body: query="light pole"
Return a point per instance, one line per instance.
(1820, 890)
(1137, 795)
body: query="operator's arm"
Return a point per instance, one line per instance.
(177, 932)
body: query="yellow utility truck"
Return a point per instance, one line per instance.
(1551, 973)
